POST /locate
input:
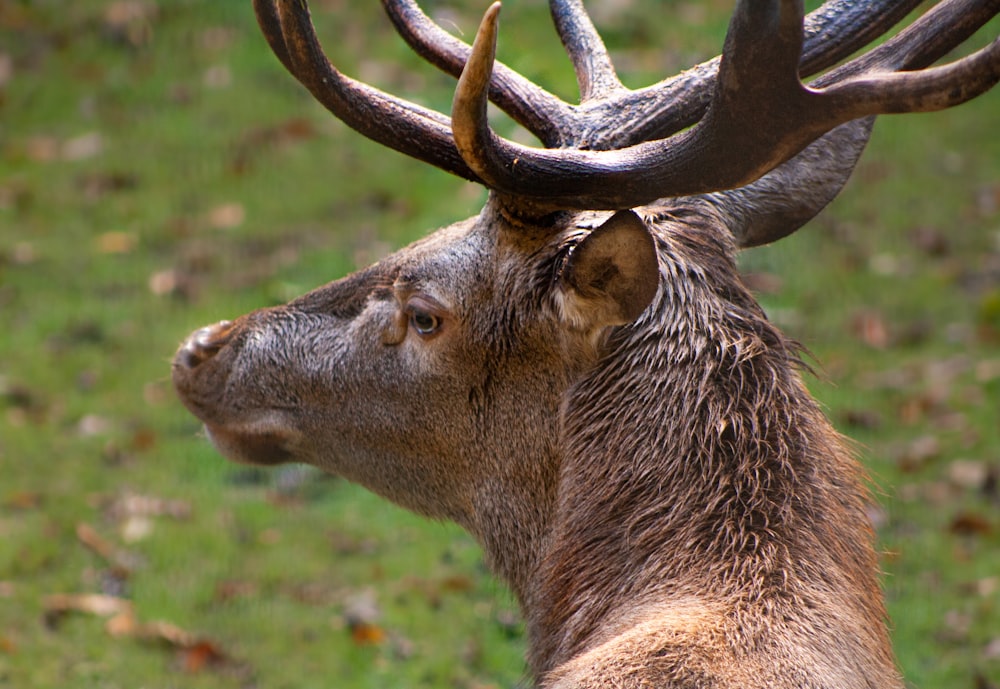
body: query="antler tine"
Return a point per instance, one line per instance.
(832, 32)
(406, 127)
(473, 137)
(929, 38)
(270, 26)
(840, 27)
(537, 110)
(931, 89)
(595, 72)
(760, 116)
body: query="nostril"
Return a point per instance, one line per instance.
(205, 343)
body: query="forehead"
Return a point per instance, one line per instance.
(485, 253)
(453, 265)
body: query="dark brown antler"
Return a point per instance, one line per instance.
(760, 116)
(749, 108)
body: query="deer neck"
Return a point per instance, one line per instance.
(696, 490)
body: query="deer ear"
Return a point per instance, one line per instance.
(611, 276)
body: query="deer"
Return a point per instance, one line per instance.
(578, 375)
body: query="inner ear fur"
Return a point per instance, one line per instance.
(612, 274)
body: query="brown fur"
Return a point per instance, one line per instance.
(666, 501)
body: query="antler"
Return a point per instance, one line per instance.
(620, 148)
(760, 115)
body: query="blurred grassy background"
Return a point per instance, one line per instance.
(160, 171)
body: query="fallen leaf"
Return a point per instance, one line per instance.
(458, 583)
(931, 240)
(226, 591)
(130, 21)
(92, 424)
(956, 626)
(203, 653)
(93, 540)
(122, 562)
(984, 588)
(366, 633)
(42, 149)
(163, 282)
(217, 77)
(22, 500)
(57, 605)
(96, 185)
(6, 69)
(195, 652)
(117, 243)
(870, 327)
(968, 474)
(135, 529)
(983, 682)
(82, 147)
(361, 612)
(143, 439)
(987, 370)
(992, 650)
(970, 524)
(227, 216)
(918, 453)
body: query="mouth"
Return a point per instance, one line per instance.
(256, 446)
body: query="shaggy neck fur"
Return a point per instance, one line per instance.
(697, 468)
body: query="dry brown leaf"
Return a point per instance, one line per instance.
(131, 21)
(163, 282)
(227, 216)
(122, 624)
(195, 652)
(59, 604)
(870, 327)
(6, 69)
(82, 147)
(197, 657)
(458, 583)
(143, 439)
(228, 590)
(366, 633)
(117, 243)
(42, 149)
(992, 650)
(97, 543)
(968, 474)
(918, 453)
(970, 524)
(22, 500)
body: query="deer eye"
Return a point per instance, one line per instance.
(423, 322)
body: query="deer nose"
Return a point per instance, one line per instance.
(205, 343)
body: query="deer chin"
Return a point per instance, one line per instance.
(264, 442)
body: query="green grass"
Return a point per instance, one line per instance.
(166, 174)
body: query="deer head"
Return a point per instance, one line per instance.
(577, 375)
